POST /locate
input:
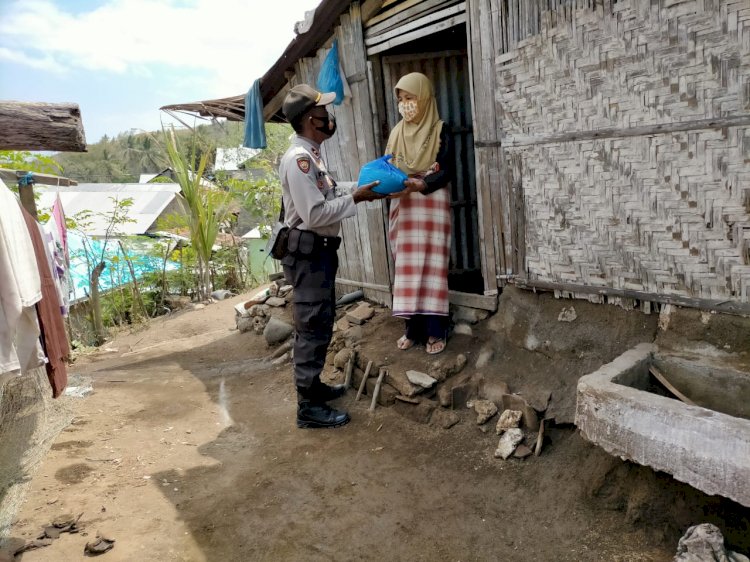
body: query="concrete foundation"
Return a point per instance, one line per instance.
(707, 449)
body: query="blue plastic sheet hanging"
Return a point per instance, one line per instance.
(329, 78)
(255, 130)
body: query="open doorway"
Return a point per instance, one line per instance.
(442, 57)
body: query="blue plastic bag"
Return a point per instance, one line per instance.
(329, 78)
(391, 178)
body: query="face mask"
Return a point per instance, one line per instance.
(329, 126)
(408, 109)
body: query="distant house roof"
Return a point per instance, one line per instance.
(169, 173)
(145, 178)
(229, 159)
(252, 234)
(149, 202)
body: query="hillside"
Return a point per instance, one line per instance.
(122, 159)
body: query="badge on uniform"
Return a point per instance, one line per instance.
(303, 164)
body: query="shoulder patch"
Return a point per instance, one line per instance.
(303, 163)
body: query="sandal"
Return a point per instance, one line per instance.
(404, 343)
(435, 346)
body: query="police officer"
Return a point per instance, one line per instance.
(313, 209)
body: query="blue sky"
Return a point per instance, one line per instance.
(121, 60)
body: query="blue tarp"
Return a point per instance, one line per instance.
(255, 130)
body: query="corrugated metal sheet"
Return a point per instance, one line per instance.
(149, 202)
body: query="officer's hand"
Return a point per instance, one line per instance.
(412, 185)
(365, 193)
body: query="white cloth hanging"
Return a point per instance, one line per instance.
(20, 288)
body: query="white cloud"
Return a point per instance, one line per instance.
(43, 62)
(230, 41)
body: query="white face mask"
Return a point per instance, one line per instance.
(408, 109)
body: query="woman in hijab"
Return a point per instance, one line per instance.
(420, 219)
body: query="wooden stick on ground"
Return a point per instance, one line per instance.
(375, 393)
(663, 380)
(539, 439)
(349, 369)
(363, 384)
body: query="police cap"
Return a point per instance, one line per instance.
(303, 98)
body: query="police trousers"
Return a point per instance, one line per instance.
(314, 300)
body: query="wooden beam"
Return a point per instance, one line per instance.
(484, 302)
(12, 176)
(423, 8)
(393, 11)
(418, 34)
(363, 285)
(725, 306)
(370, 8)
(41, 126)
(416, 24)
(274, 105)
(517, 141)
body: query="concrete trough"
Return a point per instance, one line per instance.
(618, 410)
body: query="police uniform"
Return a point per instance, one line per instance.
(313, 207)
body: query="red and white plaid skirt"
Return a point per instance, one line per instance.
(420, 235)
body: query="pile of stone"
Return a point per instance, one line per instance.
(257, 314)
(356, 315)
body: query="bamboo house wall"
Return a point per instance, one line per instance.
(609, 141)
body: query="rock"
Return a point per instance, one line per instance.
(398, 380)
(273, 290)
(529, 418)
(362, 360)
(485, 356)
(445, 390)
(361, 314)
(284, 290)
(420, 379)
(463, 329)
(439, 371)
(703, 543)
(221, 294)
(199, 306)
(353, 335)
(521, 452)
(245, 323)
(275, 301)
(461, 394)
(342, 358)
(279, 276)
(508, 443)
(256, 310)
(419, 413)
(407, 399)
(460, 363)
(485, 410)
(277, 331)
(567, 315)
(492, 389)
(468, 315)
(536, 398)
(342, 324)
(509, 419)
(444, 418)
(259, 324)
(387, 394)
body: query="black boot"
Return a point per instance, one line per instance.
(313, 414)
(323, 393)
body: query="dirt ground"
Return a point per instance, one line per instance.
(188, 450)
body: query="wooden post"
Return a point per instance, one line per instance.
(375, 392)
(41, 126)
(363, 383)
(26, 193)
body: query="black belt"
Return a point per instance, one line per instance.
(330, 243)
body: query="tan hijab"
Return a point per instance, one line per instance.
(415, 144)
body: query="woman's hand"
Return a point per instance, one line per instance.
(412, 185)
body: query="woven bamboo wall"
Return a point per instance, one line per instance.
(626, 129)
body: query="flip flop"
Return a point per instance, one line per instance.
(430, 347)
(404, 343)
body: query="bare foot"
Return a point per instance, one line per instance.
(435, 346)
(404, 343)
